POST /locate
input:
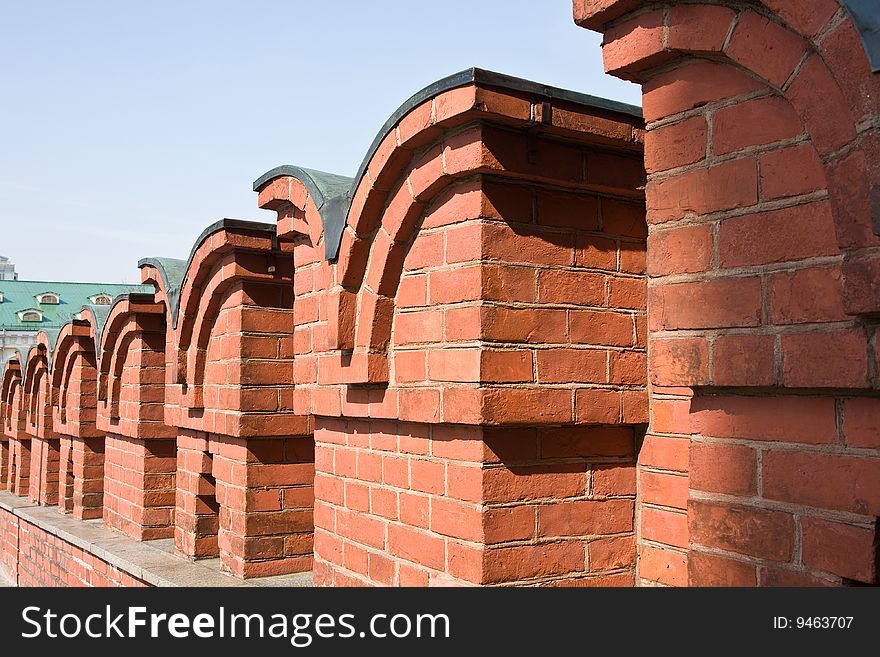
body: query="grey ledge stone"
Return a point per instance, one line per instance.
(151, 561)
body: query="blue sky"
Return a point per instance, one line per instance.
(127, 127)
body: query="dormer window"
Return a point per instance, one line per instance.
(101, 299)
(30, 315)
(48, 298)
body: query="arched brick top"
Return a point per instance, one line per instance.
(130, 315)
(335, 199)
(74, 357)
(477, 123)
(37, 391)
(10, 401)
(228, 253)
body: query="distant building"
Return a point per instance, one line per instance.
(7, 270)
(28, 307)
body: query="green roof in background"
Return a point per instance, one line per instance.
(21, 295)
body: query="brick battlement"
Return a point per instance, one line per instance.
(539, 338)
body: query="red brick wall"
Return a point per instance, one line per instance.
(761, 262)
(414, 504)
(30, 556)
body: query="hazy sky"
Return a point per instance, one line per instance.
(127, 127)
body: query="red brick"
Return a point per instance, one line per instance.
(805, 19)
(628, 292)
(508, 366)
(676, 145)
(724, 186)
(575, 211)
(535, 405)
(791, 419)
(804, 231)
(510, 564)
(416, 327)
(683, 250)
(414, 510)
(816, 95)
(807, 295)
(600, 327)
(827, 481)
(664, 526)
(455, 285)
(627, 368)
(706, 304)
(698, 28)
(843, 550)
(625, 219)
(583, 442)
(598, 406)
(418, 405)
(664, 453)
(521, 325)
(360, 528)
(663, 489)
(413, 291)
(663, 566)
(853, 74)
(614, 480)
(790, 578)
(633, 40)
(861, 422)
(825, 359)
(503, 283)
(632, 258)
(457, 520)
(713, 570)
(526, 245)
(612, 553)
(744, 360)
(501, 484)
(670, 415)
(454, 365)
(462, 323)
(744, 530)
(417, 547)
(791, 172)
(766, 48)
(692, 84)
(409, 366)
(426, 251)
(754, 123)
(571, 365)
(719, 468)
(428, 476)
(678, 362)
(571, 287)
(504, 524)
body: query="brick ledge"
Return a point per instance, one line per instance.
(150, 561)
